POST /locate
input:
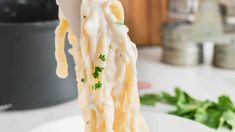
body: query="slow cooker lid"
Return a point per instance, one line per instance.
(15, 11)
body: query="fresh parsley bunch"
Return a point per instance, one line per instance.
(212, 114)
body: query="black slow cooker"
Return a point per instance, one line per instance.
(27, 61)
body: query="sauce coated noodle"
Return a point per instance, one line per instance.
(105, 61)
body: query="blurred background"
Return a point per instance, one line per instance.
(185, 43)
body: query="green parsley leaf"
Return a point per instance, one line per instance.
(98, 85)
(149, 99)
(167, 98)
(226, 103)
(102, 57)
(228, 119)
(212, 114)
(211, 117)
(99, 69)
(97, 72)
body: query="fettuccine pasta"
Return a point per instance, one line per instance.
(105, 59)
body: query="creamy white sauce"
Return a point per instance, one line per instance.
(113, 107)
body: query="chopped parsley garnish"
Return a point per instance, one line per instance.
(83, 80)
(102, 57)
(212, 114)
(97, 72)
(99, 69)
(98, 85)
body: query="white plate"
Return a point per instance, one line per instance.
(156, 123)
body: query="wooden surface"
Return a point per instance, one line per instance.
(144, 18)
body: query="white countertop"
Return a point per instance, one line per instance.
(204, 82)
